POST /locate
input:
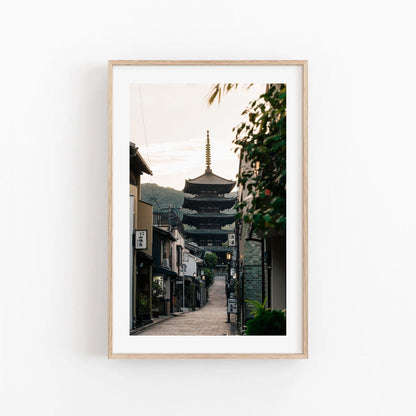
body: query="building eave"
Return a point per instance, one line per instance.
(137, 162)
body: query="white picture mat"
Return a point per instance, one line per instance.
(123, 76)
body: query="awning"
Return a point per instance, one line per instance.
(164, 233)
(144, 257)
(162, 270)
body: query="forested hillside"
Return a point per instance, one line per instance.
(161, 197)
(155, 194)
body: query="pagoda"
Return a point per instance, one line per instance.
(208, 200)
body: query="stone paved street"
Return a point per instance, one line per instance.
(211, 319)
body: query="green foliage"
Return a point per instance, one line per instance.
(267, 323)
(257, 307)
(157, 289)
(209, 277)
(211, 260)
(218, 90)
(143, 306)
(262, 140)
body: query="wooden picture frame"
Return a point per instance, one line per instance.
(296, 65)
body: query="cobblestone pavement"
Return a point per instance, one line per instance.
(211, 319)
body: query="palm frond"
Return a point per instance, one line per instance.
(218, 90)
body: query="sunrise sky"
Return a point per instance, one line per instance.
(168, 122)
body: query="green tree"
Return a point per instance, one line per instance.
(262, 141)
(211, 260)
(209, 277)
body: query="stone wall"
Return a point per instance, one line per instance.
(251, 256)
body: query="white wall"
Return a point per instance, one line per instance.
(191, 266)
(53, 213)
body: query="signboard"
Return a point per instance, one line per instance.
(232, 306)
(231, 240)
(141, 240)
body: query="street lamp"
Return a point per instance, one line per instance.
(228, 257)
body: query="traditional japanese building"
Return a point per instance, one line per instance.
(141, 256)
(168, 248)
(208, 201)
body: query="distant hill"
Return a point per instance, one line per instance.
(155, 194)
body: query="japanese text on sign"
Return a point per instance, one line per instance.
(141, 239)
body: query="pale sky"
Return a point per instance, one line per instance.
(168, 123)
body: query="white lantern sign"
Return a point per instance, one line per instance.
(141, 240)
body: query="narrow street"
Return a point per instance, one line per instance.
(211, 319)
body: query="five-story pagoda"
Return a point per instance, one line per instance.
(209, 201)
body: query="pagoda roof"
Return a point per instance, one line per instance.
(194, 249)
(197, 201)
(205, 238)
(208, 231)
(209, 178)
(208, 182)
(208, 188)
(217, 249)
(208, 217)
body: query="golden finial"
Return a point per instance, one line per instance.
(208, 154)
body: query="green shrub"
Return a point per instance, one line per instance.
(267, 323)
(211, 260)
(209, 276)
(257, 307)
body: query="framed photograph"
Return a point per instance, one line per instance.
(208, 211)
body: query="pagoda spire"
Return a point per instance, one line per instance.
(208, 154)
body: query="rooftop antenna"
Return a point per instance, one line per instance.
(155, 200)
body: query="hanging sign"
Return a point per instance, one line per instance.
(232, 306)
(231, 240)
(141, 240)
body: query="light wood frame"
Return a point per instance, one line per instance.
(304, 65)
